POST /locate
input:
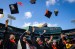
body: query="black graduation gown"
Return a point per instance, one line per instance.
(42, 37)
(1, 46)
(6, 42)
(11, 45)
(47, 46)
(61, 44)
(37, 45)
(33, 37)
(5, 38)
(23, 44)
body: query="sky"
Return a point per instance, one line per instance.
(34, 14)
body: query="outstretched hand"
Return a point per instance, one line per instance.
(33, 29)
(6, 25)
(51, 37)
(62, 35)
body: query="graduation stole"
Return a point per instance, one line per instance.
(32, 47)
(13, 41)
(40, 42)
(68, 46)
(54, 47)
(64, 42)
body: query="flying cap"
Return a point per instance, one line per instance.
(14, 8)
(56, 12)
(1, 13)
(48, 13)
(32, 1)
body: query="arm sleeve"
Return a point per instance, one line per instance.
(22, 35)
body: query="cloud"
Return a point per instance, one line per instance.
(38, 24)
(71, 1)
(26, 24)
(35, 23)
(53, 2)
(28, 15)
(52, 25)
(31, 24)
(50, 2)
(1, 15)
(47, 3)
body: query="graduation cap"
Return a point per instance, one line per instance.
(73, 21)
(48, 13)
(56, 12)
(1, 13)
(32, 1)
(14, 8)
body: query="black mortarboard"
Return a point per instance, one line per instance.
(14, 8)
(73, 21)
(56, 12)
(48, 13)
(1, 11)
(32, 1)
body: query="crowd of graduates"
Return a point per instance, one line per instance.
(45, 43)
(35, 43)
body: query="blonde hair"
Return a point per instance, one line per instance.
(12, 36)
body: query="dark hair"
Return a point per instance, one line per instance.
(29, 41)
(64, 38)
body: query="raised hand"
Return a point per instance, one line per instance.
(62, 35)
(33, 29)
(6, 25)
(51, 37)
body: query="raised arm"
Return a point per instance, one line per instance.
(42, 35)
(21, 37)
(5, 33)
(51, 37)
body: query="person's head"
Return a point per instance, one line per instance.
(24, 39)
(54, 42)
(46, 39)
(38, 39)
(12, 37)
(68, 41)
(61, 35)
(1, 41)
